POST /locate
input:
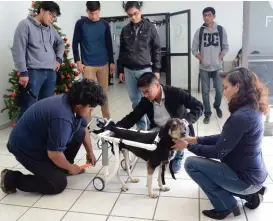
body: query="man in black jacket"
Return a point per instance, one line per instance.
(160, 103)
(139, 52)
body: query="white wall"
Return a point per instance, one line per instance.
(229, 14)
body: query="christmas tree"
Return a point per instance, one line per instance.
(65, 76)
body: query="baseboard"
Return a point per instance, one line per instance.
(5, 125)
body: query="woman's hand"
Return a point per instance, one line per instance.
(191, 140)
(180, 144)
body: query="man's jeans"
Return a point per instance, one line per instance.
(217, 83)
(219, 182)
(42, 84)
(131, 77)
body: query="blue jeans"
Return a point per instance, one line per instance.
(131, 77)
(42, 84)
(219, 182)
(217, 83)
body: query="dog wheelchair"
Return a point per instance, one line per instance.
(105, 140)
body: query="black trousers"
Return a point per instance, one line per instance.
(48, 178)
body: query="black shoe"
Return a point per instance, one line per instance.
(219, 112)
(206, 119)
(256, 199)
(110, 83)
(4, 188)
(219, 215)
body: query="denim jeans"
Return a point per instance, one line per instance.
(217, 83)
(42, 84)
(219, 182)
(131, 77)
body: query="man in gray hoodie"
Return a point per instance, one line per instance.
(209, 46)
(37, 53)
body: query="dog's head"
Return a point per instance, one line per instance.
(175, 128)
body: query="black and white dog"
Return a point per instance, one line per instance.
(174, 129)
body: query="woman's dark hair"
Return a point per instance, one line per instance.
(92, 5)
(146, 79)
(209, 9)
(132, 4)
(52, 7)
(86, 92)
(251, 90)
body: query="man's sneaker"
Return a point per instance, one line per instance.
(176, 165)
(219, 112)
(4, 188)
(206, 119)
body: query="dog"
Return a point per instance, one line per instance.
(174, 129)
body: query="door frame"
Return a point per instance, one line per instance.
(169, 54)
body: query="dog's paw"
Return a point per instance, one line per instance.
(164, 189)
(124, 189)
(135, 180)
(153, 195)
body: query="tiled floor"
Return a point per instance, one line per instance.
(81, 202)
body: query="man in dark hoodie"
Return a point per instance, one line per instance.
(37, 53)
(209, 46)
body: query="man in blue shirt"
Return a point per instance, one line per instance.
(94, 37)
(47, 138)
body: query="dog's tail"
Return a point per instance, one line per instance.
(171, 169)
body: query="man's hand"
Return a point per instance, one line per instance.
(80, 66)
(180, 144)
(74, 169)
(91, 158)
(221, 56)
(112, 68)
(121, 77)
(57, 66)
(24, 81)
(198, 56)
(191, 140)
(157, 74)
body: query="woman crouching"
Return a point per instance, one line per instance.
(241, 171)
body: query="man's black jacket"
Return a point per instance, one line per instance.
(139, 50)
(177, 101)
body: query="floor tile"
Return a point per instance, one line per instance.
(135, 206)
(268, 197)
(181, 188)
(115, 218)
(2, 195)
(79, 182)
(205, 205)
(141, 170)
(95, 202)
(42, 215)
(113, 185)
(21, 198)
(72, 216)
(62, 201)
(11, 213)
(8, 161)
(176, 209)
(262, 213)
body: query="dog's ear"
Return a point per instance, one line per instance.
(185, 123)
(165, 129)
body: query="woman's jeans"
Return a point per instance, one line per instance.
(219, 182)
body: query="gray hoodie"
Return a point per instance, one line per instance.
(36, 46)
(210, 48)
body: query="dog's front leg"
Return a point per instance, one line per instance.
(127, 166)
(159, 179)
(124, 188)
(150, 172)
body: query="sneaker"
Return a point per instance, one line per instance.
(4, 188)
(206, 119)
(219, 112)
(176, 165)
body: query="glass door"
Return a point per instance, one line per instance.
(179, 50)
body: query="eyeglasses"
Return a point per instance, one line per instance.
(53, 16)
(134, 14)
